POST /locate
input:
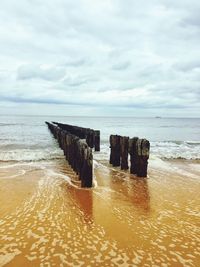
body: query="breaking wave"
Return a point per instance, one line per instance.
(189, 150)
(30, 155)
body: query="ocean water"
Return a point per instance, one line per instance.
(26, 138)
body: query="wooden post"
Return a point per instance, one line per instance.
(111, 149)
(133, 155)
(143, 156)
(90, 137)
(115, 150)
(124, 152)
(97, 140)
(87, 168)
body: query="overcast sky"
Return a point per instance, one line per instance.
(100, 57)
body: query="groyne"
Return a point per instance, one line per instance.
(78, 142)
(121, 146)
(76, 150)
(91, 136)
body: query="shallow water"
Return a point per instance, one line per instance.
(47, 220)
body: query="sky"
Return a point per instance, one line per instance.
(100, 57)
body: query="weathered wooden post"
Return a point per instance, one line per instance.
(143, 148)
(67, 147)
(111, 149)
(97, 140)
(87, 168)
(124, 152)
(115, 150)
(133, 155)
(139, 155)
(90, 137)
(79, 157)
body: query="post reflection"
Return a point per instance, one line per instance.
(138, 193)
(84, 200)
(133, 188)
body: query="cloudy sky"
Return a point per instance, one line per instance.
(100, 57)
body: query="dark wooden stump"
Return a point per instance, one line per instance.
(115, 150)
(97, 140)
(124, 144)
(133, 155)
(87, 168)
(143, 156)
(111, 149)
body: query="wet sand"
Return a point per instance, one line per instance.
(45, 220)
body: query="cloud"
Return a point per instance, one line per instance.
(48, 73)
(109, 53)
(188, 66)
(121, 65)
(192, 19)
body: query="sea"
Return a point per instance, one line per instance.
(27, 138)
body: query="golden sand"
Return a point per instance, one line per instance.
(45, 220)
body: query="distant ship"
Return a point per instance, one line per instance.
(158, 117)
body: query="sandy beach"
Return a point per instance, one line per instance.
(48, 220)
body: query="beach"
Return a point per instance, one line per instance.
(124, 221)
(99, 133)
(46, 219)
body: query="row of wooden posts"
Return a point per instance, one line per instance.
(77, 152)
(121, 146)
(91, 136)
(77, 143)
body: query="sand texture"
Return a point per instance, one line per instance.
(48, 220)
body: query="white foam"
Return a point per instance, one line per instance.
(30, 154)
(19, 173)
(158, 163)
(63, 176)
(95, 184)
(162, 149)
(168, 166)
(175, 150)
(5, 259)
